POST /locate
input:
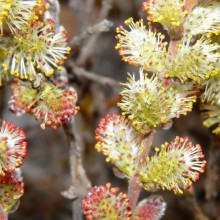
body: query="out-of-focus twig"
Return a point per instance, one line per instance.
(77, 6)
(194, 207)
(212, 168)
(89, 12)
(82, 73)
(80, 182)
(106, 7)
(88, 48)
(212, 174)
(102, 26)
(2, 100)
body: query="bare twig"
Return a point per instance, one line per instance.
(78, 173)
(193, 205)
(2, 100)
(212, 173)
(212, 168)
(77, 6)
(88, 48)
(82, 73)
(89, 12)
(80, 182)
(106, 7)
(102, 26)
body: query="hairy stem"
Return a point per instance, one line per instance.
(189, 4)
(134, 186)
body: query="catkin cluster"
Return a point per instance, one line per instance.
(175, 68)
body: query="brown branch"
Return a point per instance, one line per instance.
(212, 175)
(89, 12)
(212, 168)
(79, 179)
(106, 7)
(194, 207)
(2, 100)
(134, 185)
(88, 48)
(80, 182)
(77, 6)
(102, 26)
(82, 73)
(78, 173)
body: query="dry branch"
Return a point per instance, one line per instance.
(94, 77)
(102, 26)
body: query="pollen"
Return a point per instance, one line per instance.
(148, 104)
(194, 62)
(15, 13)
(174, 167)
(36, 49)
(141, 47)
(169, 13)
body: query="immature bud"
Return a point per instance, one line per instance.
(3, 214)
(23, 97)
(50, 103)
(151, 208)
(11, 189)
(104, 202)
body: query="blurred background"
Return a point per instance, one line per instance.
(46, 169)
